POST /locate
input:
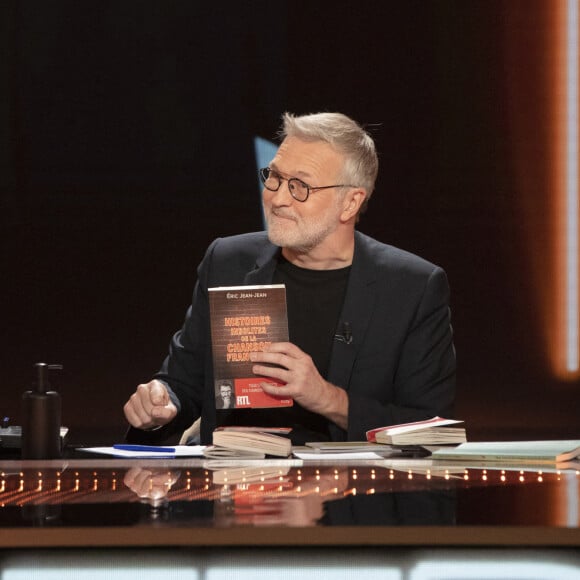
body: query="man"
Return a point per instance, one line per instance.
(224, 399)
(370, 335)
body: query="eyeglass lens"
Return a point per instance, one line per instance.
(272, 181)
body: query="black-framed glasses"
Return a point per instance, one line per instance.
(299, 190)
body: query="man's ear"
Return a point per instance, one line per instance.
(352, 203)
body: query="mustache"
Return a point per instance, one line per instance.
(283, 214)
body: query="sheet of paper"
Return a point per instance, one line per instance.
(180, 451)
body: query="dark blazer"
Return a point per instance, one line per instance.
(399, 366)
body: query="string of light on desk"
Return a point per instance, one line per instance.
(87, 486)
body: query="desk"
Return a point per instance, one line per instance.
(287, 504)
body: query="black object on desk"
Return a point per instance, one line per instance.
(41, 418)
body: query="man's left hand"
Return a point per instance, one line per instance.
(303, 381)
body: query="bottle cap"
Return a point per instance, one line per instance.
(42, 375)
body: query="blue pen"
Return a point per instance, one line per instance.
(146, 448)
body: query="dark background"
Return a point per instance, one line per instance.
(127, 146)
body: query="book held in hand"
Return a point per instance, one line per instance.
(435, 431)
(250, 442)
(245, 319)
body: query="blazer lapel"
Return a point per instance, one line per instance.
(359, 303)
(264, 268)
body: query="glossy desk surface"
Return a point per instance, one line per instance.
(195, 502)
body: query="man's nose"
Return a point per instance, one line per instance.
(282, 195)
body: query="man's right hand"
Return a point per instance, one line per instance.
(150, 406)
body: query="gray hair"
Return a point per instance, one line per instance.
(346, 136)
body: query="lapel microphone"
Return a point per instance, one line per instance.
(345, 334)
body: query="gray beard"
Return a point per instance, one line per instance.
(307, 242)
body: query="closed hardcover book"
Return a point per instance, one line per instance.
(245, 319)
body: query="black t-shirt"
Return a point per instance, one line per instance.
(314, 299)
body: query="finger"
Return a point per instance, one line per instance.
(145, 398)
(287, 348)
(130, 476)
(274, 358)
(135, 479)
(142, 484)
(162, 479)
(162, 415)
(135, 413)
(278, 373)
(142, 401)
(276, 391)
(158, 393)
(142, 417)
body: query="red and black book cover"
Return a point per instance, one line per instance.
(245, 319)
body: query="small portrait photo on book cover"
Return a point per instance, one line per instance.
(224, 394)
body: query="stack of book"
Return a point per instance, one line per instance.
(249, 442)
(435, 431)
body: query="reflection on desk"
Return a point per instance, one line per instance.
(286, 518)
(281, 494)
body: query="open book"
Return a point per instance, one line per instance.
(558, 452)
(250, 442)
(435, 431)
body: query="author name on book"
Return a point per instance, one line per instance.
(238, 295)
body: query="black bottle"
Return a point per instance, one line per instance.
(41, 414)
